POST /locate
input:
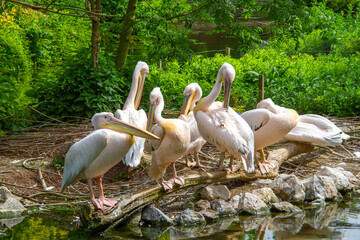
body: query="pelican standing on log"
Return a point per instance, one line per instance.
(95, 154)
(131, 115)
(192, 93)
(175, 141)
(316, 129)
(270, 123)
(223, 127)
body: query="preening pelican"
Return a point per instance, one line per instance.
(223, 127)
(95, 154)
(270, 123)
(173, 145)
(131, 115)
(192, 93)
(316, 129)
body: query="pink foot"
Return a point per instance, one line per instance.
(179, 181)
(167, 185)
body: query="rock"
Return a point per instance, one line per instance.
(234, 202)
(341, 182)
(252, 204)
(350, 176)
(222, 207)
(262, 183)
(252, 222)
(213, 192)
(11, 206)
(189, 218)
(202, 205)
(152, 216)
(210, 216)
(285, 207)
(267, 195)
(320, 187)
(289, 188)
(291, 223)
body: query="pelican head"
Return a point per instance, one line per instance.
(269, 105)
(192, 93)
(155, 98)
(227, 72)
(107, 120)
(140, 73)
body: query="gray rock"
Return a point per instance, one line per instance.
(202, 205)
(152, 216)
(189, 218)
(262, 183)
(267, 195)
(350, 176)
(11, 206)
(320, 187)
(285, 207)
(341, 182)
(252, 204)
(213, 192)
(289, 188)
(222, 207)
(234, 202)
(289, 223)
(12, 221)
(210, 216)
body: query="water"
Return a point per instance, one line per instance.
(334, 221)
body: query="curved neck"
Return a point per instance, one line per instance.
(206, 102)
(157, 115)
(130, 101)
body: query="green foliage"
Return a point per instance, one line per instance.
(58, 162)
(324, 85)
(82, 90)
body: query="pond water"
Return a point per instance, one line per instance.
(333, 221)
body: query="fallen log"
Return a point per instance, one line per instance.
(130, 203)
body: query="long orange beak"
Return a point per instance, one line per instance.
(140, 89)
(121, 126)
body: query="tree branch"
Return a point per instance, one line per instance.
(46, 9)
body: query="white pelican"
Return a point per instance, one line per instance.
(95, 154)
(316, 129)
(131, 115)
(173, 145)
(192, 93)
(270, 123)
(223, 127)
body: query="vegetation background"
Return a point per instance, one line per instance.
(70, 58)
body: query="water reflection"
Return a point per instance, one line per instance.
(328, 222)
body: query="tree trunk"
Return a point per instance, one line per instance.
(95, 7)
(129, 203)
(125, 35)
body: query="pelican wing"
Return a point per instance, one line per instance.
(256, 118)
(139, 119)
(228, 132)
(81, 155)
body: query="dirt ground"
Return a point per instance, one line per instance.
(28, 156)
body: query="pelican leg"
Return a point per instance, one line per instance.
(177, 180)
(188, 163)
(197, 160)
(264, 161)
(104, 201)
(96, 202)
(165, 184)
(221, 164)
(262, 168)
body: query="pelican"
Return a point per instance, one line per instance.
(131, 115)
(95, 154)
(316, 129)
(192, 93)
(223, 127)
(173, 145)
(270, 123)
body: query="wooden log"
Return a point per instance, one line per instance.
(129, 203)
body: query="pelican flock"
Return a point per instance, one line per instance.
(131, 115)
(201, 120)
(222, 126)
(95, 154)
(174, 143)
